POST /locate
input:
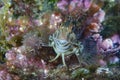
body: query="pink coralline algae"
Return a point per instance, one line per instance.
(4, 75)
(55, 20)
(116, 38)
(13, 31)
(22, 61)
(71, 5)
(99, 16)
(62, 4)
(10, 55)
(106, 44)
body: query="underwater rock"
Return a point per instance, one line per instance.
(89, 50)
(106, 44)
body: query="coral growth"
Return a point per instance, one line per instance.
(59, 40)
